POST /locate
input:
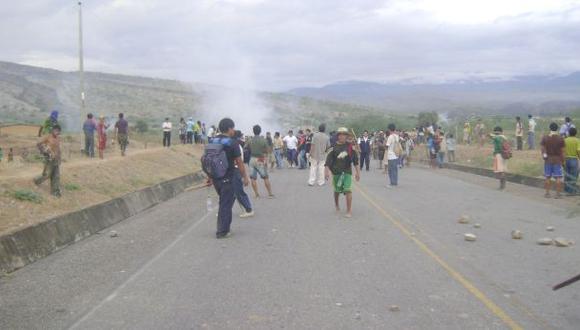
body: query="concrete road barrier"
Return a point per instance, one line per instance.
(33, 243)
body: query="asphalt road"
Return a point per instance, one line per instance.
(299, 265)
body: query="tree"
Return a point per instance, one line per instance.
(427, 118)
(141, 126)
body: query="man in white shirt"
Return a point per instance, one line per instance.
(320, 144)
(531, 132)
(392, 157)
(291, 143)
(166, 126)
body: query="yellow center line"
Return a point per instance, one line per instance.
(495, 309)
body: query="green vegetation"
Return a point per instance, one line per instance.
(141, 126)
(26, 195)
(72, 187)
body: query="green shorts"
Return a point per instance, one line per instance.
(342, 183)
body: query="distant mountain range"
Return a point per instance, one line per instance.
(28, 94)
(534, 94)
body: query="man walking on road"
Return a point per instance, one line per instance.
(393, 143)
(49, 147)
(339, 162)
(166, 133)
(380, 145)
(519, 134)
(365, 150)
(89, 128)
(122, 133)
(258, 147)
(291, 146)
(239, 192)
(499, 162)
(320, 144)
(224, 185)
(553, 154)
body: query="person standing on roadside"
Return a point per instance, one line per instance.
(531, 132)
(224, 186)
(10, 155)
(499, 162)
(291, 143)
(340, 161)
(270, 157)
(565, 129)
(122, 133)
(49, 148)
(572, 154)
(365, 150)
(258, 147)
(380, 143)
(393, 143)
(189, 130)
(553, 149)
(519, 134)
(451, 143)
(166, 126)
(89, 128)
(102, 127)
(182, 130)
(278, 149)
(320, 144)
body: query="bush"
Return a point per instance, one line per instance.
(27, 196)
(141, 126)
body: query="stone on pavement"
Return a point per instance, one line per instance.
(545, 241)
(394, 308)
(550, 228)
(470, 237)
(464, 219)
(477, 225)
(113, 233)
(561, 242)
(516, 234)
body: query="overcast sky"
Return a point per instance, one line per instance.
(277, 45)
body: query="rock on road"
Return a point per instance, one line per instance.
(401, 262)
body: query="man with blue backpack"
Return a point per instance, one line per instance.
(219, 162)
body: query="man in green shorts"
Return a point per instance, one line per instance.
(339, 162)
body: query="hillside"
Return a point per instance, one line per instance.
(536, 94)
(28, 94)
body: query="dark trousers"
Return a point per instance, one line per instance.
(393, 172)
(166, 139)
(189, 139)
(51, 171)
(239, 192)
(520, 142)
(225, 190)
(90, 145)
(571, 176)
(293, 156)
(365, 160)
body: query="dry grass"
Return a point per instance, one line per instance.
(86, 182)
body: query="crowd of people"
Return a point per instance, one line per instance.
(336, 157)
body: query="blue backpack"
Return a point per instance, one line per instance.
(214, 161)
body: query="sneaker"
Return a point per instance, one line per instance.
(271, 196)
(247, 214)
(348, 215)
(223, 236)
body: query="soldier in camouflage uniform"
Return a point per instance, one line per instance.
(49, 147)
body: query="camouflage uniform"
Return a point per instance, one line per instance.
(50, 148)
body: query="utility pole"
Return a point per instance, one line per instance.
(81, 70)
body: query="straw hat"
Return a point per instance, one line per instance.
(343, 130)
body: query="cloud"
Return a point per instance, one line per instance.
(276, 45)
